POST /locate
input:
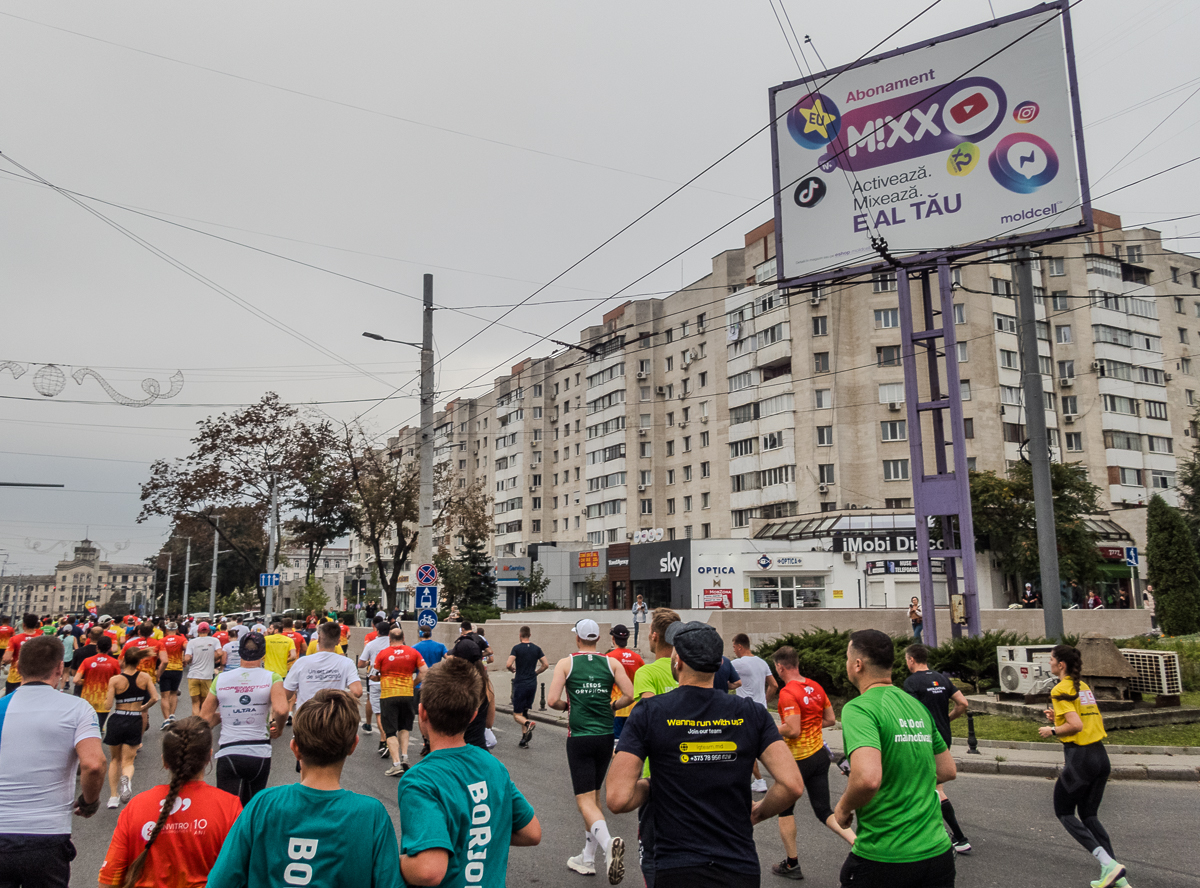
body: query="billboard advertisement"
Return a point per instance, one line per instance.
(721, 599)
(966, 140)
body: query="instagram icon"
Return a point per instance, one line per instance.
(1026, 112)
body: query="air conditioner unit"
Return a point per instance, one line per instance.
(682, 395)
(532, 489)
(704, 419)
(894, 406)
(691, 355)
(1066, 382)
(822, 488)
(849, 557)
(1095, 365)
(683, 425)
(1167, 377)
(642, 431)
(660, 390)
(816, 300)
(1025, 669)
(641, 488)
(1158, 671)
(1069, 418)
(641, 375)
(628, 536)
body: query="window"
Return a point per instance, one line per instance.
(883, 283)
(671, 506)
(1178, 300)
(704, 439)
(887, 318)
(821, 362)
(1058, 300)
(1119, 404)
(644, 393)
(960, 313)
(961, 348)
(1123, 441)
(1062, 334)
(670, 334)
(1185, 366)
(1191, 397)
(700, 323)
(772, 441)
(644, 477)
(820, 325)
(895, 470)
(1130, 477)
(1066, 369)
(1014, 433)
(891, 393)
(1134, 254)
(968, 428)
(1010, 394)
(670, 476)
(1002, 288)
(902, 502)
(670, 364)
(647, 507)
(964, 389)
(1048, 400)
(643, 366)
(1006, 323)
(1070, 404)
(703, 378)
(887, 355)
(704, 470)
(825, 473)
(1045, 367)
(1162, 480)
(1008, 360)
(894, 430)
(705, 531)
(824, 436)
(611, 373)
(971, 462)
(1159, 445)
(645, 450)
(1056, 266)
(823, 398)
(742, 381)
(670, 448)
(1156, 409)
(1074, 441)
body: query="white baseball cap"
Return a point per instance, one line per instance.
(588, 630)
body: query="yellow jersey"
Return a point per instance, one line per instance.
(276, 658)
(312, 646)
(1084, 704)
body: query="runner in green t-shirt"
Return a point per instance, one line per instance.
(587, 678)
(296, 834)
(459, 808)
(897, 759)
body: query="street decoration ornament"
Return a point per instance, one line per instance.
(50, 380)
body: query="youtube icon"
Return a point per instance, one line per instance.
(969, 107)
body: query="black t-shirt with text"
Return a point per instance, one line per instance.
(934, 690)
(528, 655)
(701, 745)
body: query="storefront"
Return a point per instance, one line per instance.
(662, 573)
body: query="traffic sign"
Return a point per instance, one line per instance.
(427, 575)
(265, 579)
(427, 619)
(427, 597)
(1131, 556)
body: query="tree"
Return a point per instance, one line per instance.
(1174, 569)
(320, 497)
(480, 587)
(534, 586)
(313, 596)
(1003, 513)
(243, 537)
(1188, 484)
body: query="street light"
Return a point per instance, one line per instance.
(358, 572)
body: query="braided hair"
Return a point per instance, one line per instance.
(1071, 658)
(186, 748)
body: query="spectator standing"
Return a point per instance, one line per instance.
(897, 760)
(1148, 604)
(526, 661)
(704, 814)
(757, 682)
(1029, 599)
(39, 791)
(916, 618)
(640, 611)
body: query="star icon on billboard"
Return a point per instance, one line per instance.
(816, 119)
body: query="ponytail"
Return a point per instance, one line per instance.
(186, 748)
(1073, 660)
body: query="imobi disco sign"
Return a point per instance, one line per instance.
(960, 142)
(879, 542)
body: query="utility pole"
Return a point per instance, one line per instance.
(212, 590)
(1039, 449)
(187, 570)
(425, 533)
(167, 592)
(269, 594)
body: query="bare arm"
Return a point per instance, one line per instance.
(491, 702)
(558, 685)
(511, 665)
(111, 698)
(210, 711)
(828, 719)
(154, 695)
(355, 689)
(772, 686)
(543, 665)
(790, 726)
(627, 791)
(788, 785)
(1072, 724)
(427, 868)
(528, 835)
(960, 705)
(92, 767)
(624, 685)
(279, 708)
(866, 775)
(947, 770)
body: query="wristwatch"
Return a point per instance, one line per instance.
(1054, 732)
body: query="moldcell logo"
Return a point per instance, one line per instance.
(917, 124)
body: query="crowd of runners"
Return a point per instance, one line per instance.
(686, 740)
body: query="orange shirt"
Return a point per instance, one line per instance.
(149, 664)
(632, 661)
(371, 636)
(396, 666)
(188, 845)
(807, 698)
(345, 634)
(93, 676)
(297, 640)
(174, 644)
(6, 632)
(15, 646)
(222, 637)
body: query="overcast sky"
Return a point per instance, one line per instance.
(493, 145)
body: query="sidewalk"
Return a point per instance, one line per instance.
(1003, 757)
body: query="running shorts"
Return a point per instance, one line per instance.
(198, 687)
(170, 681)
(935, 872)
(102, 719)
(373, 694)
(522, 696)
(124, 729)
(1082, 781)
(396, 713)
(243, 775)
(815, 771)
(588, 757)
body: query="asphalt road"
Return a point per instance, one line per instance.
(1009, 821)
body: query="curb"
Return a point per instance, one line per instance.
(1113, 749)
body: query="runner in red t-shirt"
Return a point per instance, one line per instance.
(632, 661)
(289, 629)
(145, 639)
(396, 665)
(6, 633)
(92, 678)
(183, 850)
(170, 656)
(29, 629)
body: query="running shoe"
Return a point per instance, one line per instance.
(383, 750)
(394, 771)
(759, 785)
(783, 868)
(127, 794)
(366, 727)
(1109, 875)
(614, 856)
(527, 734)
(113, 801)
(579, 865)
(961, 846)
(166, 724)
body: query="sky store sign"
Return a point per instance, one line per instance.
(879, 542)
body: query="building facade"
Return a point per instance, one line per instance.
(76, 581)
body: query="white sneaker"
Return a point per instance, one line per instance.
(614, 854)
(126, 789)
(394, 771)
(579, 865)
(113, 801)
(759, 785)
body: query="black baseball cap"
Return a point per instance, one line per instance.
(619, 631)
(698, 644)
(467, 648)
(252, 646)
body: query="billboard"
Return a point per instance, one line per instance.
(954, 144)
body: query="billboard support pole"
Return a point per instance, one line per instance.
(1039, 449)
(945, 493)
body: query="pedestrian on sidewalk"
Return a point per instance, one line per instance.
(639, 617)
(526, 661)
(1079, 726)
(897, 760)
(916, 618)
(938, 694)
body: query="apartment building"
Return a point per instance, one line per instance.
(732, 404)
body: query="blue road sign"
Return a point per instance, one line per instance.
(427, 619)
(427, 575)
(1131, 556)
(265, 579)
(427, 597)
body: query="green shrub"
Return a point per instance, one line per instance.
(822, 656)
(479, 613)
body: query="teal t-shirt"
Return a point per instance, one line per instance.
(903, 822)
(293, 835)
(463, 801)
